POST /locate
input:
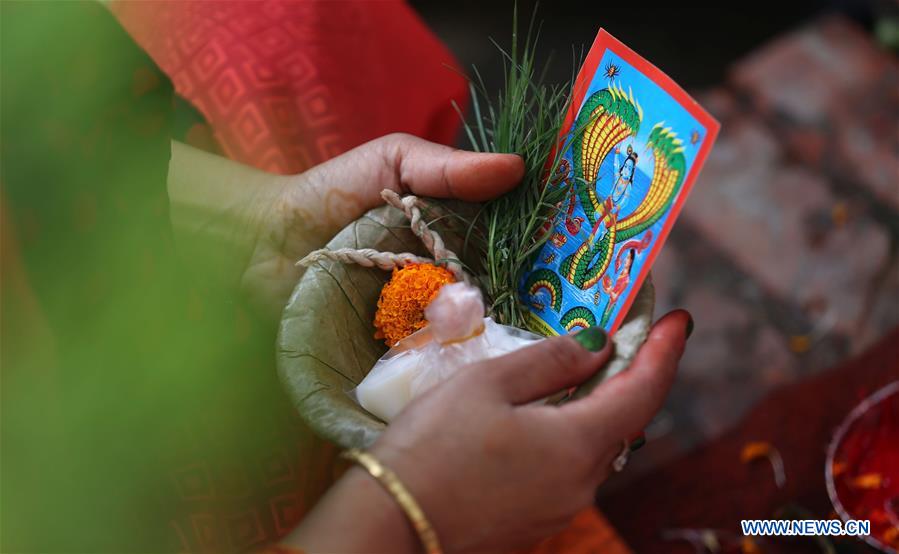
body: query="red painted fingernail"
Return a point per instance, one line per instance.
(638, 443)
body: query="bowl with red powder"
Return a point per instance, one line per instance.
(862, 471)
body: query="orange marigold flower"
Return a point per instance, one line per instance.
(401, 307)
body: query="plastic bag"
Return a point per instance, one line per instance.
(457, 334)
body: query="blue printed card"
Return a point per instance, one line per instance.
(634, 143)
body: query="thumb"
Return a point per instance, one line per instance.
(549, 366)
(343, 188)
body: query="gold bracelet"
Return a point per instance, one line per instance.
(395, 487)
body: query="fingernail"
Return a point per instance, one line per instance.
(592, 338)
(689, 325)
(638, 443)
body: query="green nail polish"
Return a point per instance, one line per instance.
(690, 326)
(592, 338)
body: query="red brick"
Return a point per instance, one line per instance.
(884, 309)
(833, 95)
(775, 222)
(734, 354)
(814, 71)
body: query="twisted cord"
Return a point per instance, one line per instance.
(366, 257)
(411, 206)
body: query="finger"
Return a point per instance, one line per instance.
(626, 403)
(429, 169)
(549, 366)
(339, 191)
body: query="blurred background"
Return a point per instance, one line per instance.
(695, 44)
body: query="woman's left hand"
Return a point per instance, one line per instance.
(257, 225)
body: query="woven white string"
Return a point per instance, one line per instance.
(411, 206)
(366, 257)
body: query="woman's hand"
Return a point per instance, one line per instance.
(491, 469)
(251, 227)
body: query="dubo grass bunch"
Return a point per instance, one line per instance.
(524, 118)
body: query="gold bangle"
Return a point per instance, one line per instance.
(395, 487)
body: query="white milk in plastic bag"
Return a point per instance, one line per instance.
(457, 334)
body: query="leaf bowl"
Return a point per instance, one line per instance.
(326, 341)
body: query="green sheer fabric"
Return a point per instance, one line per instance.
(140, 408)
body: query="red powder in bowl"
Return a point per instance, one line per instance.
(863, 472)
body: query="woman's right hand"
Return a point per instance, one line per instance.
(493, 470)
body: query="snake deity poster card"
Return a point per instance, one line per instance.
(633, 144)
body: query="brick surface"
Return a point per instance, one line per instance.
(782, 225)
(734, 355)
(882, 311)
(835, 97)
(732, 359)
